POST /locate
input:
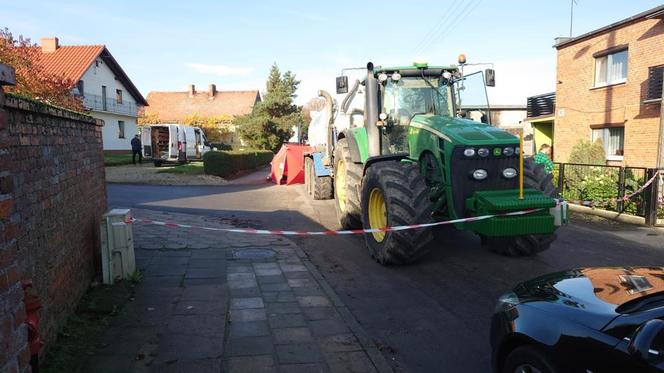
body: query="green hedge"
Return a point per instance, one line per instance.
(224, 163)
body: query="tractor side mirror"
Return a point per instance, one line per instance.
(490, 77)
(642, 342)
(342, 84)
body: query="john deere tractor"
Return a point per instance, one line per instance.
(418, 152)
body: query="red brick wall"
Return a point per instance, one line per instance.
(55, 161)
(579, 105)
(14, 353)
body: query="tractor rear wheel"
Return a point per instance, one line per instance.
(394, 194)
(535, 177)
(347, 178)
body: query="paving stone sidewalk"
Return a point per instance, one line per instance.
(215, 301)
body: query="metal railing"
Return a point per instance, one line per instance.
(97, 103)
(605, 187)
(541, 105)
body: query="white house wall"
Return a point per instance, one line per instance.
(98, 75)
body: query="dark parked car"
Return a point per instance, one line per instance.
(582, 320)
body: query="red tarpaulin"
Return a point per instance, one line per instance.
(288, 164)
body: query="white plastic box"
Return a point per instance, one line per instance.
(117, 246)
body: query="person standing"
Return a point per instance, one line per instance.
(544, 157)
(136, 149)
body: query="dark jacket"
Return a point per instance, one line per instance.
(136, 144)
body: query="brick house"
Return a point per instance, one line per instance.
(177, 107)
(106, 89)
(609, 85)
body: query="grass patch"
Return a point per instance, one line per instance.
(79, 337)
(192, 168)
(117, 159)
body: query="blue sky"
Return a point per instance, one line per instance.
(165, 45)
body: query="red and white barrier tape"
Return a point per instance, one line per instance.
(323, 233)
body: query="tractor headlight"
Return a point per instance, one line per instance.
(382, 77)
(508, 151)
(469, 152)
(480, 174)
(483, 152)
(509, 173)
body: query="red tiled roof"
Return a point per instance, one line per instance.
(176, 106)
(72, 61)
(68, 61)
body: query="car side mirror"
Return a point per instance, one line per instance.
(490, 77)
(342, 84)
(640, 345)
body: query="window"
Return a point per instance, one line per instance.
(655, 82)
(81, 88)
(121, 129)
(118, 96)
(103, 97)
(611, 68)
(613, 140)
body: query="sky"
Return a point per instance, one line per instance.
(166, 45)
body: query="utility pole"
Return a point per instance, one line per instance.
(571, 16)
(660, 142)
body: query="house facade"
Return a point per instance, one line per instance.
(181, 107)
(609, 86)
(105, 88)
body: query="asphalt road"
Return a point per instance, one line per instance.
(429, 316)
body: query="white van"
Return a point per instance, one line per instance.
(168, 143)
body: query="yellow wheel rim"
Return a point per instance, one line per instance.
(340, 185)
(377, 213)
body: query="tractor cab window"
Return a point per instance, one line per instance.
(471, 97)
(406, 97)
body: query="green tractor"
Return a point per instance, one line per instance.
(412, 155)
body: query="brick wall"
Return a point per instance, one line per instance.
(54, 165)
(14, 353)
(579, 105)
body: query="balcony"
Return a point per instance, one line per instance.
(541, 105)
(97, 103)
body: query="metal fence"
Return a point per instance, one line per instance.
(98, 103)
(607, 186)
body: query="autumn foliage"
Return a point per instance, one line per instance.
(32, 80)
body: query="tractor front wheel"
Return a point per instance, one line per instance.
(347, 178)
(535, 177)
(394, 194)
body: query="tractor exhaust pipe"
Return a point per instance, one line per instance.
(330, 125)
(371, 112)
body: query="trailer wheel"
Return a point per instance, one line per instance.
(535, 177)
(347, 179)
(393, 194)
(317, 187)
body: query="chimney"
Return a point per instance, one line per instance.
(212, 91)
(49, 45)
(192, 90)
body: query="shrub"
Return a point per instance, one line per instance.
(585, 152)
(225, 163)
(221, 146)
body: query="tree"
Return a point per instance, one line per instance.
(272, 120)
(32, 80)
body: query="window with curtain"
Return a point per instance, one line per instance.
(121, 129)
(613, 140)
(611, 68)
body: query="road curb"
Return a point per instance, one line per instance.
(376, 357)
